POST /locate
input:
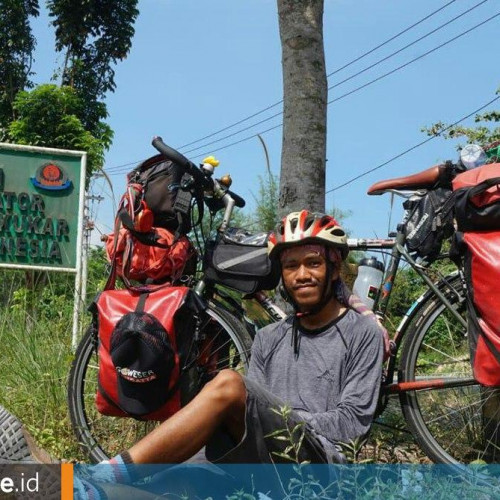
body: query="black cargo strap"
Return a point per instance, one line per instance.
(474, 318)
(150, 238)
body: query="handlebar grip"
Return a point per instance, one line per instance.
(174, 155)
(170, 153)
(238, 200)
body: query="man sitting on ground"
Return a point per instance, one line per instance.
(324, 362)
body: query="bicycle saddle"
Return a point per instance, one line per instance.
(422, 180)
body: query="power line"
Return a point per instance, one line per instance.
(360, 72)
(401, 154)
(234, 133)
(390, 39)
(416, 58)
(362, 56)
(412, 148)
(123, 165)
(242, 140)
(330, 74)
(409, 45)
(371, 82)
(116, 170)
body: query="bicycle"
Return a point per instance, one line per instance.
(441, 402)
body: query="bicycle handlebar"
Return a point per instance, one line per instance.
(199, 177)
(173, 155)
(238, 200)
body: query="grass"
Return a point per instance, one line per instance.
(35, 335)
(35, 361)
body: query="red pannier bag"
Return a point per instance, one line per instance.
(144, 338)
(155, 255)
(477, 213)
(143, 246)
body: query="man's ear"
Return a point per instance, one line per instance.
(335, 271)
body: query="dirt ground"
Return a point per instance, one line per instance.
(389, 441)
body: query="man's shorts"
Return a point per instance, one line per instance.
(257, 446)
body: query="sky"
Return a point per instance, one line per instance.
(196, 67)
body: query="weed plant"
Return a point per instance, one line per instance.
(36, 321)
(35, 365)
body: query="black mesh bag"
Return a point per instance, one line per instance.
(162, 183)
(429, 223)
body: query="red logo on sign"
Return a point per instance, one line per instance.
(51, 176)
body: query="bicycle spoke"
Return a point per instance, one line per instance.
(104, 436)
(446, 355)
(452, 424)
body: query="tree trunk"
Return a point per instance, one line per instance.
(303, 154)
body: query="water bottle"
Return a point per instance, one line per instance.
(472, 156)
(367, 284)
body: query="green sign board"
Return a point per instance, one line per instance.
(41, 207)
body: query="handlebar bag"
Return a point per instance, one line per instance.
(477, 198)
(429, 223)
(143, 343)
(239, 261)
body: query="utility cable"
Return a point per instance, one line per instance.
(371, 82)
(115, 169)
(415, 59)
(398, 155)
(362, 56)
(389, 40)
(409, 45)
(350, 181)
(330, 74)
(362, 71)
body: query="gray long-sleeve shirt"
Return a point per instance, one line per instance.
(335, 380)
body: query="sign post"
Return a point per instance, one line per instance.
(42, 195)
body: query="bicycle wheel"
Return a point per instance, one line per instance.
(102, 436)
(454, 423)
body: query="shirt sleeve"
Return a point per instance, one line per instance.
(354, 412)
(256, 370)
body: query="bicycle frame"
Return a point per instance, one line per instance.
(398, 251)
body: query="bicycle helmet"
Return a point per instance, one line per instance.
(303, 228)
(299, 228)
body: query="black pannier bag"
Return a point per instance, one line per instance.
(429, 223)
(145, 343)
(239, 261)
(161, 182)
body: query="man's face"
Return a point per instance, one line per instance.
(304, 275)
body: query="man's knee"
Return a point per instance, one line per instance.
(228, 387)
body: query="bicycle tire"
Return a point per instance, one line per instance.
(102, 437)
(448, 423)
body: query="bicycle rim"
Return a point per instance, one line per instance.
(102, 436)
(450, 424)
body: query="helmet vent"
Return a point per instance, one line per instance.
(325, 220)
(308, 223)
(337, 232)
(293, 224)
